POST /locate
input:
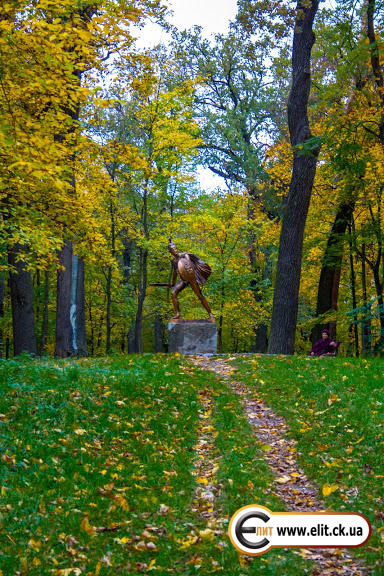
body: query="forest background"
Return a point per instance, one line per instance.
(99, 145)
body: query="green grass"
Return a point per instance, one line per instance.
(334, 409)
(105, 444)
(97, 459)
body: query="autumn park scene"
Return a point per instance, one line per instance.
(191, 284)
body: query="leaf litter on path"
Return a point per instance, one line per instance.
(291, 484)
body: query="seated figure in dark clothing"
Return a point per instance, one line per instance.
(325, 346)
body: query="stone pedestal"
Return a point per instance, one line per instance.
(192, 337)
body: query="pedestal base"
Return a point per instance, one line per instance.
(192, 337)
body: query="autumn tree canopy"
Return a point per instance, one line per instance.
(102, 144)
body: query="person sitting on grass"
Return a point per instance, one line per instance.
(325, 346)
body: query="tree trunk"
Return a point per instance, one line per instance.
(2, 296)
(353, 290)
(79, 301)
(64, 336)
(261, 331)
(159, 333)
(305, 153)
(140, 301)
(131, 339)
(70, 310)
(44, 326)
(108, 317)
(366, 324)
(92, 338)
(127, 258)
(100, 331)
(260, 343)
(221, 315)
(375, 62)
(329, 283)
(143, 272)
(23, 317)
(109, 274)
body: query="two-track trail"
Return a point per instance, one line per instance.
(291, 484)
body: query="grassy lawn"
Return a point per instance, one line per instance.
(96, 470)
(334, 409)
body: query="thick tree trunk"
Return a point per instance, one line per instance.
(44, 326)
(23, 317)
(70, 309)
(286, 295)
(79, 301)
(64, 336)
(329, 283)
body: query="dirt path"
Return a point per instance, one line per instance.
(291, 484)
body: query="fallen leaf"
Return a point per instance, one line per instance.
(329, 488)
(283, 479)
(85, 525)
(207, 534)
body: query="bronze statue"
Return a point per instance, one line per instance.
(193, 272)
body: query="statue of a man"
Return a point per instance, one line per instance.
(193, 272)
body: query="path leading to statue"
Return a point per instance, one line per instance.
(291, 483)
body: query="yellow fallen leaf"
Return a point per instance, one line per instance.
(202, 481)
(85, 525)
(359, 440)
(80, 431)
(283, 479)
(207, 534)
(35, 544)
(329, 488)
(121, 501)
(333, 398)
(68, 572)
(189, 542)
(152, 565)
